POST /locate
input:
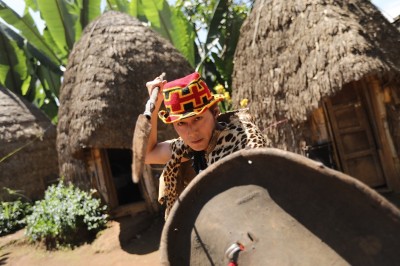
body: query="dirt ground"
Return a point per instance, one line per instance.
(126, 241)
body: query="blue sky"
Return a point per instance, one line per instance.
(389, 8)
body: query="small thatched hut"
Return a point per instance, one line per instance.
(322, 78)
(102, 94)
(28, 155)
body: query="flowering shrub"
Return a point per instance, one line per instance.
(244, 102)
(12, 216)
(67, 216)
(225, 105)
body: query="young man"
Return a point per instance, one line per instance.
(203, 138)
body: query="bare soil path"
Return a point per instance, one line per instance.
(127, 241)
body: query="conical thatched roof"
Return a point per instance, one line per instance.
(293, 53)
(28, 156)
(396, 22)
(104, 91)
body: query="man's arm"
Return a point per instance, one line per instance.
(156, 153)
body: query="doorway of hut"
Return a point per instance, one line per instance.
(112, 177)
(355, 136)
(120, 165)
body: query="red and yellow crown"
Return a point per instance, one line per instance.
(185, 97)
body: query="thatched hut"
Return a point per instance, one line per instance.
(322, 78)
(102, 94)
(28, 155)
(396, 22)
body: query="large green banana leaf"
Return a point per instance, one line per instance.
(28, 29)
(167, 21)
(222, 37)
(135, 9)
(90, 9)
(51, 84)
(118, 5)
(33, 51)
(171, 24)
(213, 29)
(19, 72)
(13, 69)
(62, 19)
(183, 35)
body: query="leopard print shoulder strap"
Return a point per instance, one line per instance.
(168, 179)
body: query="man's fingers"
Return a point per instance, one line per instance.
(155, 83)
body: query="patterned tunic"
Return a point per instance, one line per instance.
(237, 133)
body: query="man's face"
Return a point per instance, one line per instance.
(196, 131)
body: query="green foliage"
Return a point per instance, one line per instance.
(167, 20)
(66, 216)
(12, 216)
(220, 22)
(27, 67)
(32, 60)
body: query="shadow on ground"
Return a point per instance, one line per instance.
(140, 234)
(4, 258)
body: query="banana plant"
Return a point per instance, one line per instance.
(13, 67)
(167, 20)
(32, 61)
(217, 35)
(36, 60)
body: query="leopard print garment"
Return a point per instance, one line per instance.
(238, 133)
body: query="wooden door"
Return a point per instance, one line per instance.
(102, 179)
(354, 139)
(100, 172)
